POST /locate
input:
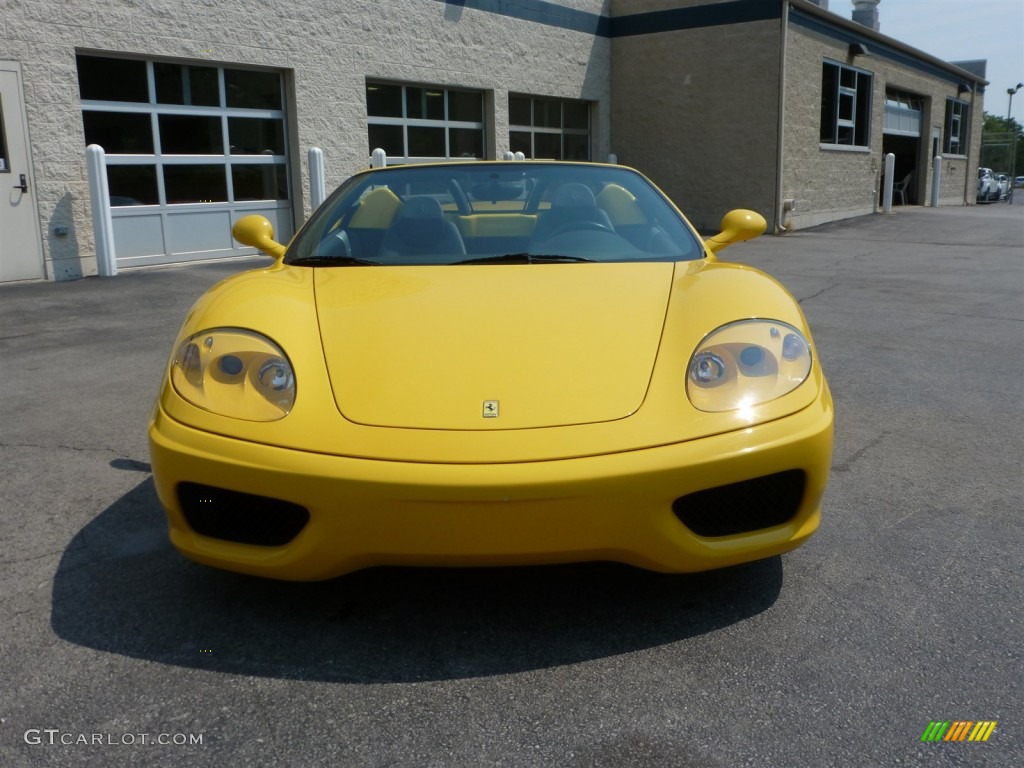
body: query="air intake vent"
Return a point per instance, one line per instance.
(742, 507)
(240, 517)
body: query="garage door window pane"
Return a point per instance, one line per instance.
(519, 141)
(424, 103)
(383, 100)
(103, 79)
(191, 135)
(256, 136)
(259, 182)
(465, 106)
(426, 142)
(577, 147)
(519, 110)
(119, 133)
(547, 113)
(577, 114)
(195, 183)
(547, 146)
(387, 137)
(132, 185)
(178, 84)
(252, 90)
(204, 86)
(465, 142)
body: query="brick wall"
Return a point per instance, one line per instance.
(830, 184)
(697, 111)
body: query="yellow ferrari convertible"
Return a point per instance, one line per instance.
(492, 363)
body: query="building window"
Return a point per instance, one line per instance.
(845, 105)
(956, 127)
(550, 129)
(184, 134)
(413, 122)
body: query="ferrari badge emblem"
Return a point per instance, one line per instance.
(490, 409)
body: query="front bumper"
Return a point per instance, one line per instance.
(615, 507)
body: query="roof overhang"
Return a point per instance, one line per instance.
(810, 15)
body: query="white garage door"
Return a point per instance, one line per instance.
(902, 114)
(190, 149)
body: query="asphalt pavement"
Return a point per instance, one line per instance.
(904, 609)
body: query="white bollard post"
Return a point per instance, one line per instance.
(890, 165)
(379, 158)
(99, 198)
(520, 156)
(317, 187)
(936, 179)
(509, 156)
(613, 159)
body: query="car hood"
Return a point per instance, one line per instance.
(491, 347)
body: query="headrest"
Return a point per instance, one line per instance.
(421, 222)
(573, 195)
(422, 208)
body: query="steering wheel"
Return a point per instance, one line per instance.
(579, 226)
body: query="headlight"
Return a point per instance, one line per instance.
(235, 373)
(747, 363)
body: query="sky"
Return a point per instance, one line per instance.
(957, 30)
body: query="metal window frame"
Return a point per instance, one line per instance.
(957, 111)
(225, 159)
(561, 131)
(406, 122)
(837, 122)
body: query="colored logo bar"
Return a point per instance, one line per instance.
(958, 730)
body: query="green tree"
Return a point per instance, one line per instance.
(997, 136)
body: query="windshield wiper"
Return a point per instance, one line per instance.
(332, 261)
(523, 258)
(554, 258)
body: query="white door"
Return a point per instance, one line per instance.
(21, 256)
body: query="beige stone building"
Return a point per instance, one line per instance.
(207, 110)
(787, 109)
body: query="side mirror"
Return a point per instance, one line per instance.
(258, 232)
(737, 226)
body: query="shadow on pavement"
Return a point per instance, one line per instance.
(122, 588)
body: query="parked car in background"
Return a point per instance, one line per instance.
(1002, 186)
(988, 187)
(1019, 181)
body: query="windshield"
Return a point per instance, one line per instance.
(480, 213)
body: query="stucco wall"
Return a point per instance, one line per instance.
(829, 184)
(697, 111)
(327, 50)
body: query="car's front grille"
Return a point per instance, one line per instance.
(240, 517)
(742, 507)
